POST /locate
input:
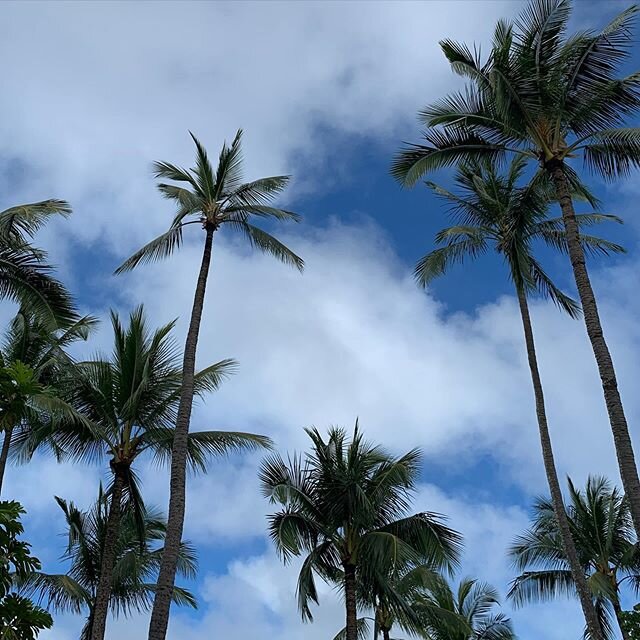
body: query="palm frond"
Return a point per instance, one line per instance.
(24, 221)
(160, 247)
(442, 149)
(472, 243)
(266, 243)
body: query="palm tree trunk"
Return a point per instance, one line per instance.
(617, 609)
(103, 590)
(177, 495)
(568, 544)
(350, 600)
(617, 419)
(4, 453)
(385, 634)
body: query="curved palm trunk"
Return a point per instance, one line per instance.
(4, 453)
(621, 438)
(617, 609)
(103, 590)
(175, 521)
(350, 601)
(577, 573)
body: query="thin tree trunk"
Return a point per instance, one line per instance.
(568, 544)
(618, 612)
(385, 634)
(103, 590)
(4, 453)
(617, 419)
(350, 601)
(177, 495)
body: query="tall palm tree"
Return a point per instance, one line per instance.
(605, 539)
(493, 211)
(134, 572)
(474, 602)
(33, 359)
(213, 200)
(551, 98)
(346, 505)
(130, 402)
(25, 275)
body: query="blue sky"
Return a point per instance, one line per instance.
(326, 92)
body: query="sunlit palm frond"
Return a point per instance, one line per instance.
(159, 248)
(266, 243)
(24, 221)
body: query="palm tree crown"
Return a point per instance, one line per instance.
(215, 199)
(540, 94)
(346, 506)
(25, 275)
(492, 210)
(605, 540)
(475, 602)
(130, 402)
(33, 362)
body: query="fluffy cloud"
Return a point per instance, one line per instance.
(101, 90)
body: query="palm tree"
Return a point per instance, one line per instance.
(33, 358)
(135, 565)
(492, 211)
(474, 602)
(130, 402)
(212, 200)
(25, 275)
(346, 506)
(550, 98)
(605, 539)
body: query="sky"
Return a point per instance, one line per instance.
(327, 92)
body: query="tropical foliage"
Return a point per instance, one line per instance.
(25, 275)
(20, 619)
(136, 562)
(34, 361)
(544, 105)
(606, 543)
(476, 603)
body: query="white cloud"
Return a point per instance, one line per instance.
(103, 89)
